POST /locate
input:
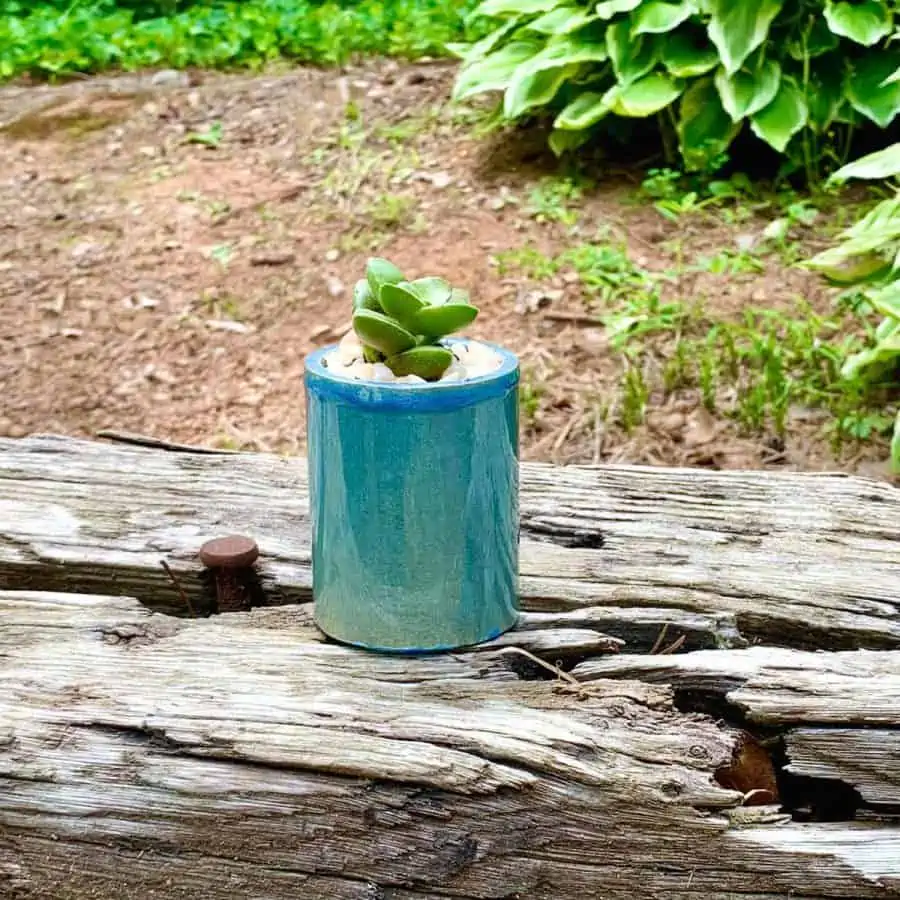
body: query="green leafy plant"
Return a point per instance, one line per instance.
(56, 38)
(800, 74)
(401, 323)
(866, 263)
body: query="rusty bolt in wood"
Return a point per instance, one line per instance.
(230, 559)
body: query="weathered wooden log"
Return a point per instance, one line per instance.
(144, 754)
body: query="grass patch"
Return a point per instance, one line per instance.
(49, 41)
(757, 369)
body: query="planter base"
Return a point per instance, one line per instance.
(417, 651)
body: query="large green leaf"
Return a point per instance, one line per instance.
(883, 164)
(866, 23)
(687, 56)
(609, 8)
(895, 445)
(514, 7)
(469, 51)
(747, 92)
(564, 140)
(658, 17)
(585, 110)
(644, 97)
(867, 91)
(561, 20)
(705, 130)
(533, 89)
(631, 57)
(567, 50)
(783, 117)
(494, 72)
(738, 27)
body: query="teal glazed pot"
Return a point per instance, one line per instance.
(414, 507)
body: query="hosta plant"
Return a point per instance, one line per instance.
(867, 262)
(401, 323)
(798, 73)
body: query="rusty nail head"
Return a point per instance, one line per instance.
(231, 552)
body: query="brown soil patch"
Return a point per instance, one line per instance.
(152, 284)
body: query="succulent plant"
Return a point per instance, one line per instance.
(400, 323)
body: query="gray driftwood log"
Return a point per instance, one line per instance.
(725, 724)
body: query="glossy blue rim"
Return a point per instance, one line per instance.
(429, 397)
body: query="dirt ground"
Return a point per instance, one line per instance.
(154, 283)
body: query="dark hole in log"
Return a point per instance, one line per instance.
(564, 536)
(806, 799)
(810, 799)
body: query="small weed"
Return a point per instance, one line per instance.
(553, 201)
(635, 395)
(222, 254)
(530, 394)
(211, 137)
(527, 260)
(730, 262)
(390, 210)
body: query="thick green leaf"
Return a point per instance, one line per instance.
(883, 164)
(585, 110)
(381, 271)
(866, 23)
(867, 91)
(433, 291)
(534, 89)
(435, 321)
(363, 298)
(738, 27)
(644, 97)
(609, 8)
(631, 57)
(893, 78)
(561, 20)
(514, 7)
(381, 332)
(659, 17)
(705, 130)
(686, 56)
(494, 72)
(747, 92)
(427, 362)
(402, 303)
(783, 117)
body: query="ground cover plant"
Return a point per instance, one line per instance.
(801, 76)
(52, 39)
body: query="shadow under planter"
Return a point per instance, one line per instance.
(414, 508)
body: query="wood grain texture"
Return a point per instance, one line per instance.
(242, 755)
(868, 759)
(142, 755)
(793, 560)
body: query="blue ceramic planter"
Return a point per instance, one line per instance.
(414, 508)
